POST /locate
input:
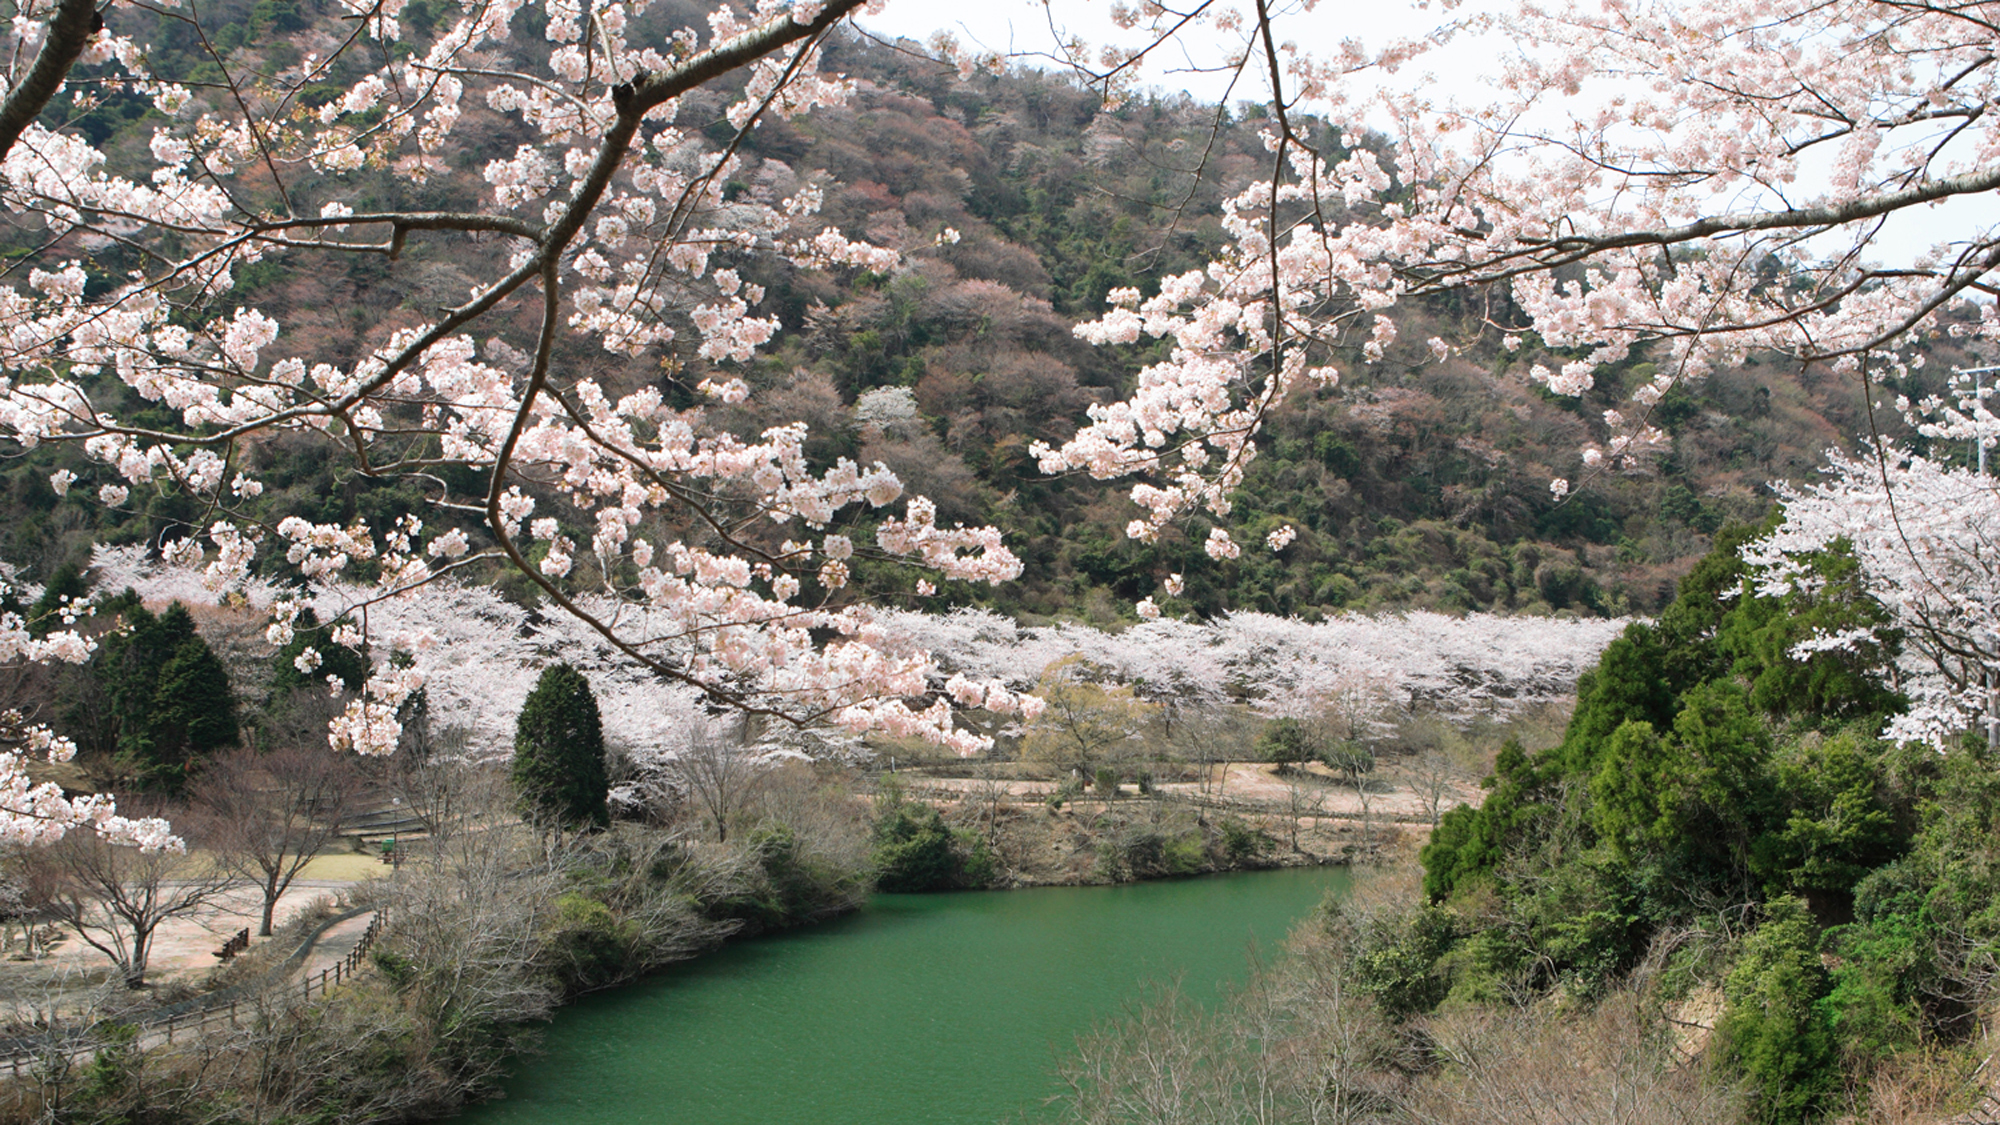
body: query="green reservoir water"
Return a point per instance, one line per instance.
(920, 1010)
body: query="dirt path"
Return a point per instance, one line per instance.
(335, 944)
(1257, 784)
(63, 979)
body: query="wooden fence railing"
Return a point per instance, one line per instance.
(164, 1028)
(345, 967)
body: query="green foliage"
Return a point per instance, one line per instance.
(1106, 782)
(803, 885)
(1837, 825)
(1397, 958)
(1722, 797)
(1775, 1029)
(1242, 844)
(66, 588)
(1585, 921)
(1629, 684)
(1470, 841)
(1286, 742)
(1706, 763)
(589, 945)
(1885, 963)
(169, 699)
(335, 659)
(1628, 791)
(559, 767)
(1761, 635)
(916, 851)
(399, 969)
(1145, 851)
(1066, 790)
(1687, 628)
(1350, 759)
(113, 1070)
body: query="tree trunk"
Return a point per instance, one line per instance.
(142, 949)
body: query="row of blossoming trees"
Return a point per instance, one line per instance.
(479, 656)
(1648, 181)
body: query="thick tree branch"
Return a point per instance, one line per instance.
(76, 21)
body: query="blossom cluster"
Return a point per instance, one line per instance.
(1704, 182)
(1927, 538)
(33, 812)
(648, 520)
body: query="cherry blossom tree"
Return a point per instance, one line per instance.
(617, 233)
(1927, 538)
(1346, 670)
(1670, 209)
(1701, 181)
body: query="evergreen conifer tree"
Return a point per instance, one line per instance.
(66, 586)
(334, 659)
(559, 768)
(169, 694)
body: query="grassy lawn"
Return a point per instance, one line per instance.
(344, 867)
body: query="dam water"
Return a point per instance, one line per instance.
(918, 1010)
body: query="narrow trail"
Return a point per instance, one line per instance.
(325, 958)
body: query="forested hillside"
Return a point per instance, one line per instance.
(1019, 203)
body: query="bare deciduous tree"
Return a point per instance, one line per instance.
(1159, 1064)
(116, 898)
(1209, 736)
(1302, 799)
(1367, 798)
(1430, 774)
(1534, 1066)
(269, 814)
(720, 772)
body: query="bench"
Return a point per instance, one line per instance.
(237, 943)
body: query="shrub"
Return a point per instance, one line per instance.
(397, 968)
(1775, 1028)
(1350, 759)
(916, 851)
(589, 947)
(1064, 793)
(1185, 855)
(1242, 844)
(1396, 959)
(1285, 742)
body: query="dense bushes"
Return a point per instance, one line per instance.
(1776, 1029)
(916, 851)
(1716, 790)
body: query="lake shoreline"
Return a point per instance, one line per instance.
(863, 962)
(1085, 843)
(496, 934)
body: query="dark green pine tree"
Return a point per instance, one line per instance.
(66, 587)
(169, 695)
(559, 767)
(334, 659)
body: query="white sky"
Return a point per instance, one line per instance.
(1022, 27)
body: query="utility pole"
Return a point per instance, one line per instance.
(1979, 375)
